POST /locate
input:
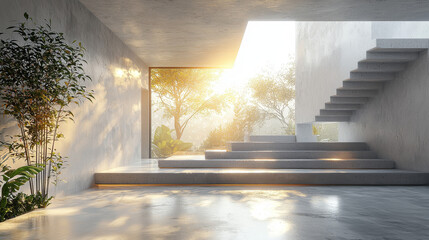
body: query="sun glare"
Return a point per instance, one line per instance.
(265, 45)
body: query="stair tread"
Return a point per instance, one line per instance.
(216, 150)
(126, 170)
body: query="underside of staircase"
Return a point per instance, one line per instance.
(274, 160)
(382, 63)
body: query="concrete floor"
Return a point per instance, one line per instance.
(230, 212)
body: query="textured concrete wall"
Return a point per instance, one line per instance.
(325, 54)
(108, 132)
(395, 122)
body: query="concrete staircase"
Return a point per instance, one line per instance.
(271, 160)
(381, 64)
(282, 160)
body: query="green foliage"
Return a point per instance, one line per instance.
(326, 132)
(274, 94)
(12, 204)
(186, 93)
(41, 76)
(163, 144)
(246, 117)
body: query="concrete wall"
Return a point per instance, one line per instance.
(108, 132)
(325, 54)
(395, 123)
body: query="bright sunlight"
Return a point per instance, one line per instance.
(266, 45)
(196, 109)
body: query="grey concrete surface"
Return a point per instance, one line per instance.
(396, 121)
(273, 138)
(192, 33)
(369, 65)
(238, 212)
(325, 54)
(288, 154)
(334, 146)
(304, 132)
(277, 163)
(106, 133)
(148, 172)
(333, 118)
(326, 49)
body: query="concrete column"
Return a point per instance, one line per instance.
(304, 132)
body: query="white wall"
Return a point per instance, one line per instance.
(325, 54)
(108, 132)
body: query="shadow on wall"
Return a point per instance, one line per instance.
(106, 133)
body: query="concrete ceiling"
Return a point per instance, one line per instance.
(197, 33)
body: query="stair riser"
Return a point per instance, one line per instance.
(333, 178)
(342, 106)
(273, 138)
(298, 164)
(401, 45)
(324, 112)
(291, 155)
(381, 67)
(332, 118)
(356, 93)
(339, 99)
(391, 56)
(367, 76)
(362, 85)
(249, 146)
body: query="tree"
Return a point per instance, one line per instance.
(274, 94)
(246, 117)
(186, 93)
(41, 76)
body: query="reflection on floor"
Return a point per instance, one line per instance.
(233, 212)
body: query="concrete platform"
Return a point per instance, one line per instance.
(326, 146)
(278, 163)
(292, 154)
(144, 174)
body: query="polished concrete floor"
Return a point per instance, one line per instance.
(230, 212)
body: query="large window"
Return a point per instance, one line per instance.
(194, 109)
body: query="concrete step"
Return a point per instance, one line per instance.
(291, 154)
(332, 118)
(380, 67)
(401, 45)
(364, 85)
(342, 106)
(372, 76)
(356, 93)
(273, 138)
(279, 163)
(326, 146)
(263, 176)
(389, 57)
(349, 100)
(336, 112)
(376, 56)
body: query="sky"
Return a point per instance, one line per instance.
(265, 45)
